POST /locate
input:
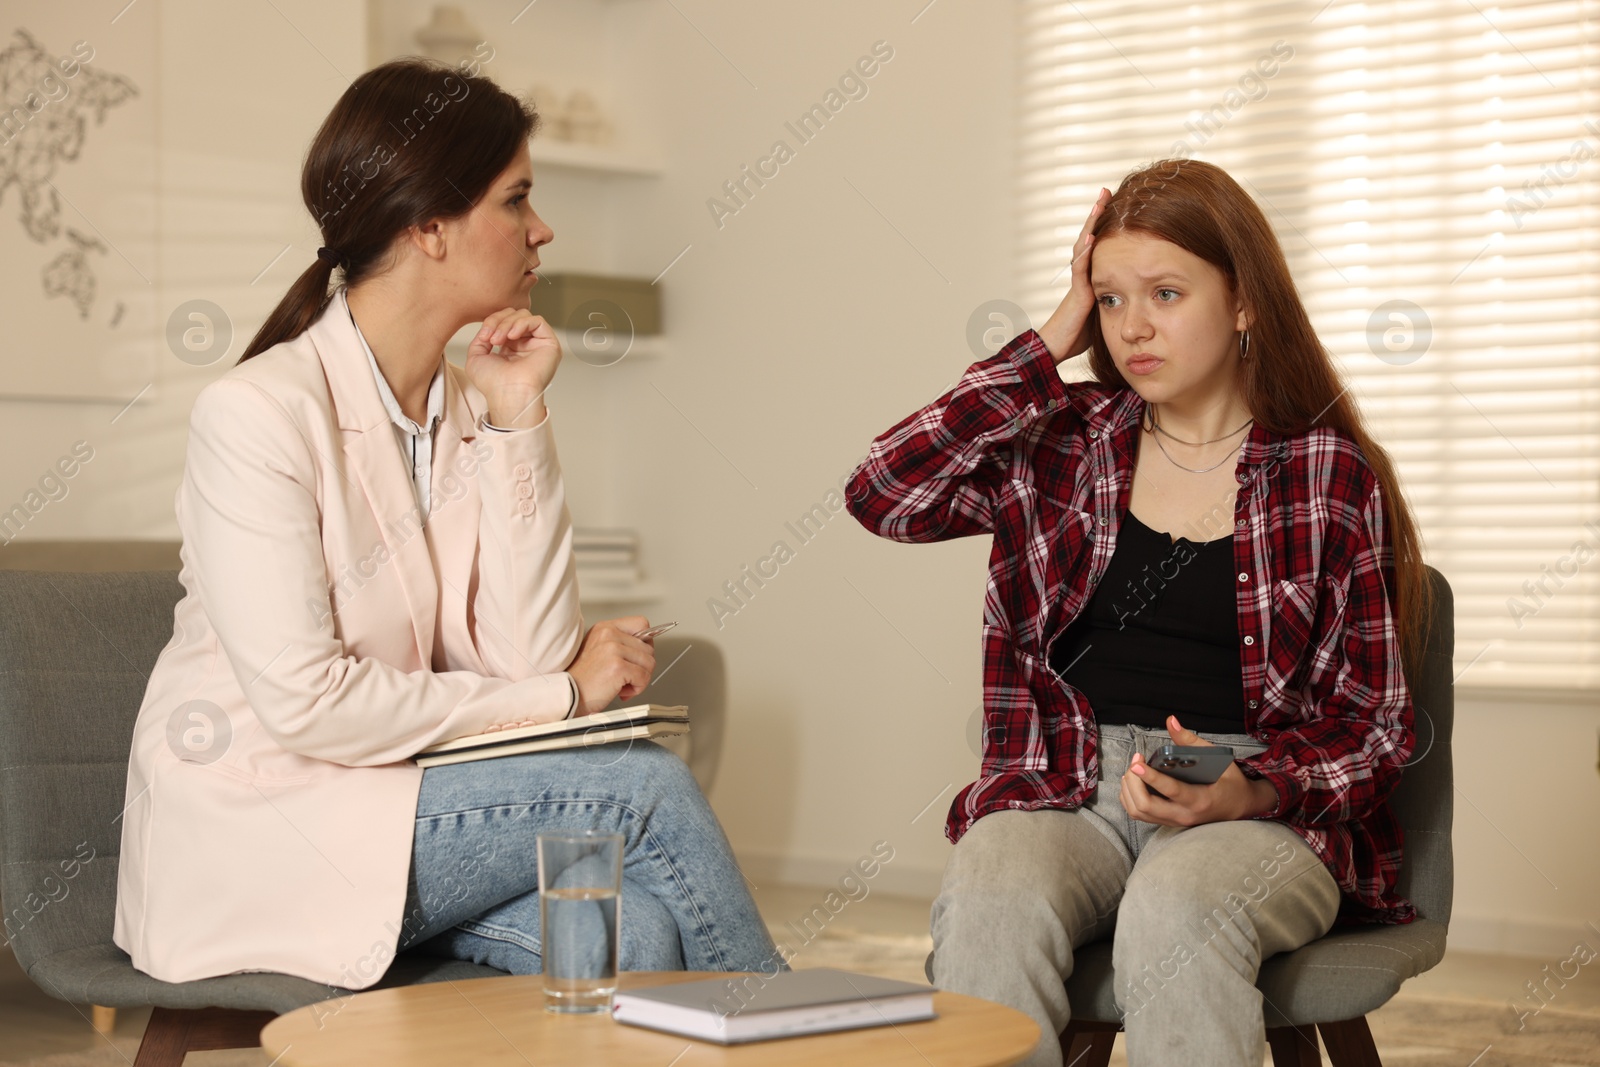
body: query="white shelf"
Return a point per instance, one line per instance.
(591, 159)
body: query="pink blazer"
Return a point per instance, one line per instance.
(325, 636)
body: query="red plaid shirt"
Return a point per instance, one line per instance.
(1046, 467)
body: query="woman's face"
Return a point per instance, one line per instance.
(1167, 316)
(494, 249)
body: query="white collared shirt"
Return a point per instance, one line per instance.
(416, 442)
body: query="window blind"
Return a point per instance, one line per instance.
(1430, 169)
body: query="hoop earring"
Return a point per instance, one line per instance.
(1244, 344)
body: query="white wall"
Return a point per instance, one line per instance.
(1527, 794)
(231, 126)
(804, 326)
(829, 307)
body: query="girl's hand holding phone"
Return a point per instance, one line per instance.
(1151, 796)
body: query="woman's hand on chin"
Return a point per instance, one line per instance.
(514, 378)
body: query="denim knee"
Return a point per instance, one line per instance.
(650, 939)
(654, 774)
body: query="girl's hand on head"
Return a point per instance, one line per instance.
(1233, 796)
(1066, 332)
(513, 379)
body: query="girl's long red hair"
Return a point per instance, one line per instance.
(1290, 382)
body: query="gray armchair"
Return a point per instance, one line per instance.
(76, 650)
(1332, 983)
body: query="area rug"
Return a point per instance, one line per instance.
(1410, 1031)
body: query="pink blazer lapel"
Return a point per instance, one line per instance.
(456, 500)
(369, 447)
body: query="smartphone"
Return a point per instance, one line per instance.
(655, 631)
(1195, 764)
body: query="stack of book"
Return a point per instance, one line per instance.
(607, 559)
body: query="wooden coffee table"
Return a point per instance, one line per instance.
(489, 1022)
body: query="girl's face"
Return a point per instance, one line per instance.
(498, 244)
(1167, 316)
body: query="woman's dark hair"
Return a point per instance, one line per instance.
(411, 140)
(1290, 382)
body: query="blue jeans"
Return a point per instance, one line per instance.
(473, 890)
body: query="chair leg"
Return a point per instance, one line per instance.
(173, 1033)
(1294, 1046)
(103, 1019)
(1088, 1044)
(1350, 1043)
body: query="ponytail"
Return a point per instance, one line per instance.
(297, 310)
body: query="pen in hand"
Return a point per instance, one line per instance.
(656, 631)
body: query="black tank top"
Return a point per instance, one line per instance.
(1159, 636)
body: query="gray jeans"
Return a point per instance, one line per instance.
(1191, 912)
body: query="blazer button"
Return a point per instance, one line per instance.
(526, 508)
(524, 489)
(522, 471)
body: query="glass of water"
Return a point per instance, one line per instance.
(580, 886)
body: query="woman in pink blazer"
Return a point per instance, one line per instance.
(377, 557)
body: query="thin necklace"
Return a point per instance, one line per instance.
(1193, 470)
(1161, 429)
